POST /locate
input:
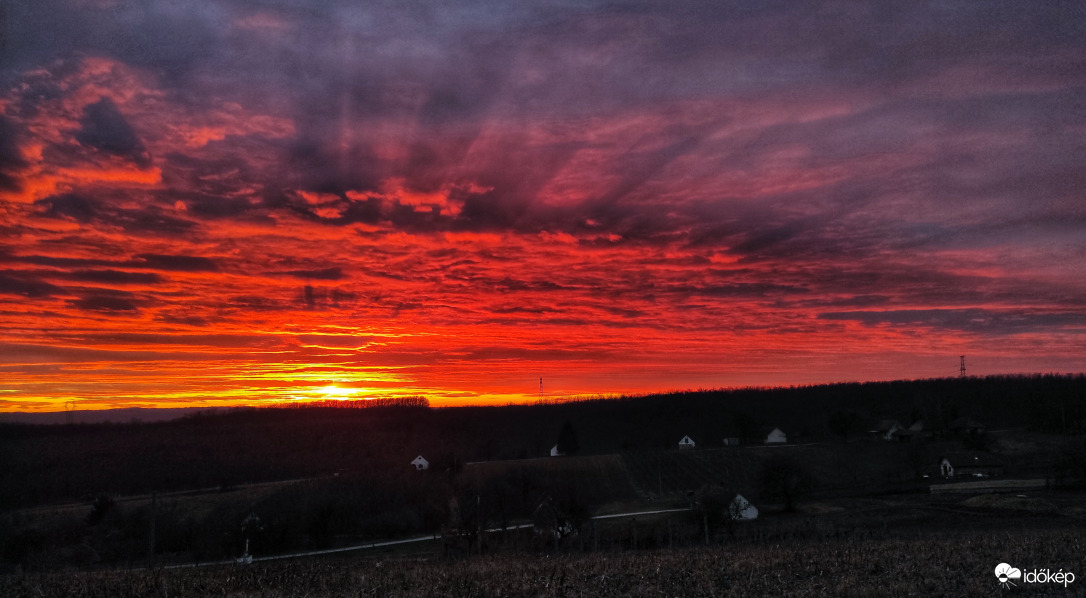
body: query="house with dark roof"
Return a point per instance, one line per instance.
(886, 429)
(917, 431)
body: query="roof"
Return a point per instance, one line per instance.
(972, 459)
(885, 425)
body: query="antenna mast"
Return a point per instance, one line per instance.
(961, 370)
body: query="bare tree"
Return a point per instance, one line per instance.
(785, 480)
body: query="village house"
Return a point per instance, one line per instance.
(970, 464)
(886, 429)
(741, 509)
(686, 443)
(556, 453)
(775, 436)
(917, 431)
(420, 463)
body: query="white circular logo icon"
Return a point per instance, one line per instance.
(1005, 573)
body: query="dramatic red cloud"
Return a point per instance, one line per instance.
(350, 202)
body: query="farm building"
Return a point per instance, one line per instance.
(886, 429)
(686, 443)
(775, 436)
(555, 452)
(916, 431)
(420, 463)
(731, 441)
(970, 464)
(741, 509)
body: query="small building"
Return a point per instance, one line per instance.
(731, 441)
(740, 509)
(970, 464)
(420, 463)
(686, 443)
(556, 453)
(886, 429)
(775, 436)
(917, 431)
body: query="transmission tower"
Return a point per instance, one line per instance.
(540, 389)
(961, 370)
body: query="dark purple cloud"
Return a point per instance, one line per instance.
(105, 128)
(115, 277)
(11, 159)
(19, 283)
(333, 273)
(971, 320)
(70, 205)
(179, 263)
(107, 302)
(146, 220)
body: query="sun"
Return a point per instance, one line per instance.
(336, 393)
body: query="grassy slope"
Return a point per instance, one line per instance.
(960, 564)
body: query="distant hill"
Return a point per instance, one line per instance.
(42, 463)
(116, 416)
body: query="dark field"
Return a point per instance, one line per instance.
(899, 545)
(955, 564)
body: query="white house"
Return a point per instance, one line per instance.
(420, 463)
(686, 443)
(775, 436)
(740, 509)
(555, 452)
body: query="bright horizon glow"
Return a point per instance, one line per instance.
(283, 203)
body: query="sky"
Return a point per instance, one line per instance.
(216, 202)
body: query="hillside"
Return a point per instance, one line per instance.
(300, 479)
(41, 464)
